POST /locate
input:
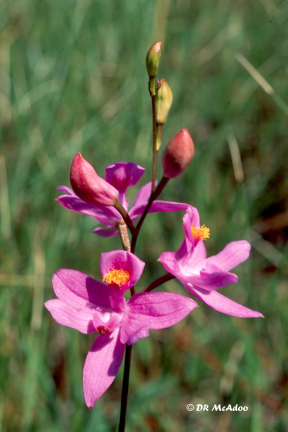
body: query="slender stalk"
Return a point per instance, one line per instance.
(125, 387)
(158, 282)
(122, 228)
(152, 198)
(155, 152)
(125, 216)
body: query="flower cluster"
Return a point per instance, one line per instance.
(101, 307)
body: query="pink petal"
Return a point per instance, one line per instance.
(214, 280)
(101, 366)
(232, 255)
(77, 289)
(142, 196)
(123, 175)
(63, 314)
(106, 232)
(221, 303)
(108, 216)
(169, 262)
(156, 310)
(121, 260)
(191, 218)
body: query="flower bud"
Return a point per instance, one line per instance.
(178, 154)
(153, 58)
(163, 101)
(89, 186)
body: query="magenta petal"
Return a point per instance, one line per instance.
(169, 262)
(214, 280)
(122, 175)
(101, 366)
(108, 216)
(121, 260)
(64, 314)
(77, 289)
(142, 196)
(106, 232)
(156, 310)
(232, 255)
(221, 303)
(191, 218)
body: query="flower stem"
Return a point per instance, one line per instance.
(125, 216)
(152, 198)
(159, 281)
(125, 387)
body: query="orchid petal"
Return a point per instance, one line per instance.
(232, 255)
(106, 232)
(142, 196)
(79, 290)
(121, 260)
(108, 216)
(221, 303)
(214, 280)
(156, 310)
(123, 175)
(190, 218)
(101, 366)
(81, 320)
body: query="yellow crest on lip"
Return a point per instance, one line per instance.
(117, 277)
(201, 233)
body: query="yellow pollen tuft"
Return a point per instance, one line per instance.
(201, 233)
(117, 277)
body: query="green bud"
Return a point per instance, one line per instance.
(163, 101)
(153, 58)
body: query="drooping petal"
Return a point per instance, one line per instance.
(106, 232)
(214, 280)
(123, 175)
(232, 255)
(221, 303)
(77, 290)
(107, 216)
(64, 314)
(101, 366)
(122, 261)
(156, 310)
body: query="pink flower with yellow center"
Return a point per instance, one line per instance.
(120, 177)
(202, 276)
(91, 306)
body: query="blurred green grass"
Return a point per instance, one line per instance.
(73, 78)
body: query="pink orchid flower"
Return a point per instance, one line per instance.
(91, 306)
(121, 176)
(202, 276)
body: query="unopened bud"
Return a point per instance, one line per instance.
(163, 101)
(178, 154)
(89, 186)
(153, 58)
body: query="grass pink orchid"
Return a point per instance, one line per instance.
(202, 276)
(89, 306)
(121, 176)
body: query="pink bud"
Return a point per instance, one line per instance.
(89, 186)
(178, 154)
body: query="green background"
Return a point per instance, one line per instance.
(73, 78)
